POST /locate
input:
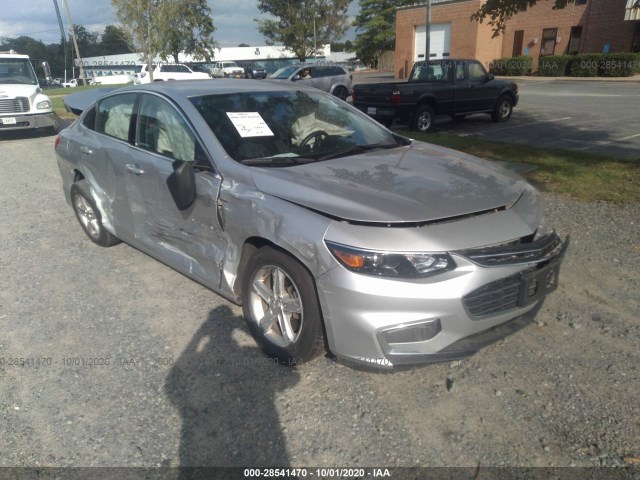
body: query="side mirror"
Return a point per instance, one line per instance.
(295, 78)
(490, 77)
(182, 184)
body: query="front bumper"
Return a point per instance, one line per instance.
(383, 322)
(29, 121)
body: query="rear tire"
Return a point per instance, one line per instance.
(88, 215)
(280, 304)
(341, 93)
(424, 118)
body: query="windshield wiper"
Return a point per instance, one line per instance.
(355, 149)
(275, 161)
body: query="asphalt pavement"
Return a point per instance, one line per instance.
(595, 115)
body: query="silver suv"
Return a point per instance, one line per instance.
(331, 78)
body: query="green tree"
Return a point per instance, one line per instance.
(294, 22)
(500, 11)
(376, 28)
(185, 26)
(139, 22)
(114, 41)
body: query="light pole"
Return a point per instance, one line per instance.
(427, 50)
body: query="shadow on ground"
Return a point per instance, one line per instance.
(225, 390)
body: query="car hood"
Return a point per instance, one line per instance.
(417, 183)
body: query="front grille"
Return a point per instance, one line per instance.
(14, 105)
(538, 251)
(493, 297)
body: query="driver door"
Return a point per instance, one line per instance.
(191, 240)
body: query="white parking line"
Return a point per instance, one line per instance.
(628, 138)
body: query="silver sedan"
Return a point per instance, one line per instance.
(331, 231)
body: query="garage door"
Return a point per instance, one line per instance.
(440, 41)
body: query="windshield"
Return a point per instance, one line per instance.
(284, 72)
(288, 128)
(17, 71)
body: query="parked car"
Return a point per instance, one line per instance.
(74, 82)
(255, 71)
(201, 68)
(333, 79)
(46, 83)
(167, 71)
(227, 70)
(318, 220)
(443, 87)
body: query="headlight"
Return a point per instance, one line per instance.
(391, 264)
(43, 105)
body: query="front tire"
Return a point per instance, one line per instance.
(503, 109)
(424, 118)
(88, 215)
(281, 307)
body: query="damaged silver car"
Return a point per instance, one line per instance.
(331, 231)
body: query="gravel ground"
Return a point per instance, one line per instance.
(128, 363)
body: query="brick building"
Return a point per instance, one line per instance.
(582, 27)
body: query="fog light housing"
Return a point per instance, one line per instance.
(411, 333)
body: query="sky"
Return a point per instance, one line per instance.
(37, 19)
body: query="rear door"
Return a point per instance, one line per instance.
(104, 150)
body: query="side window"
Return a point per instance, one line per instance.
(89, 119)
(162, 130)
(113, 115)
(476, 72)
(316, 72)
(460, 71)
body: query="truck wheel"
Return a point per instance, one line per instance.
(424, 118)
(281, 307)
(502, 110)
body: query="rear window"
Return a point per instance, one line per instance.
(433, 72)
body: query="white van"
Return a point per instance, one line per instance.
(22, 103)
(168, 71)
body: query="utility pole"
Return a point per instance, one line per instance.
(64, 37)
(315, 42)
(427, 50)
(73, 37)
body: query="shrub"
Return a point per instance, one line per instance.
(585, 65)
(512, 66)
(554, 65)
(619, 64)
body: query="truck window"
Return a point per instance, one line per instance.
(437, 72)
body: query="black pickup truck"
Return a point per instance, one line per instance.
(453, 87)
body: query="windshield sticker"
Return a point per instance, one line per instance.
(250, 124)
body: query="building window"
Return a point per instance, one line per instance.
(518, 40)
(548, 46)
(574, 40)
(581, 2)
(522, 7)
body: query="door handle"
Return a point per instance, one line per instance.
(133, 169)
(86, 150)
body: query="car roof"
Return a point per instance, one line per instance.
(197, 88)
(78, 102)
